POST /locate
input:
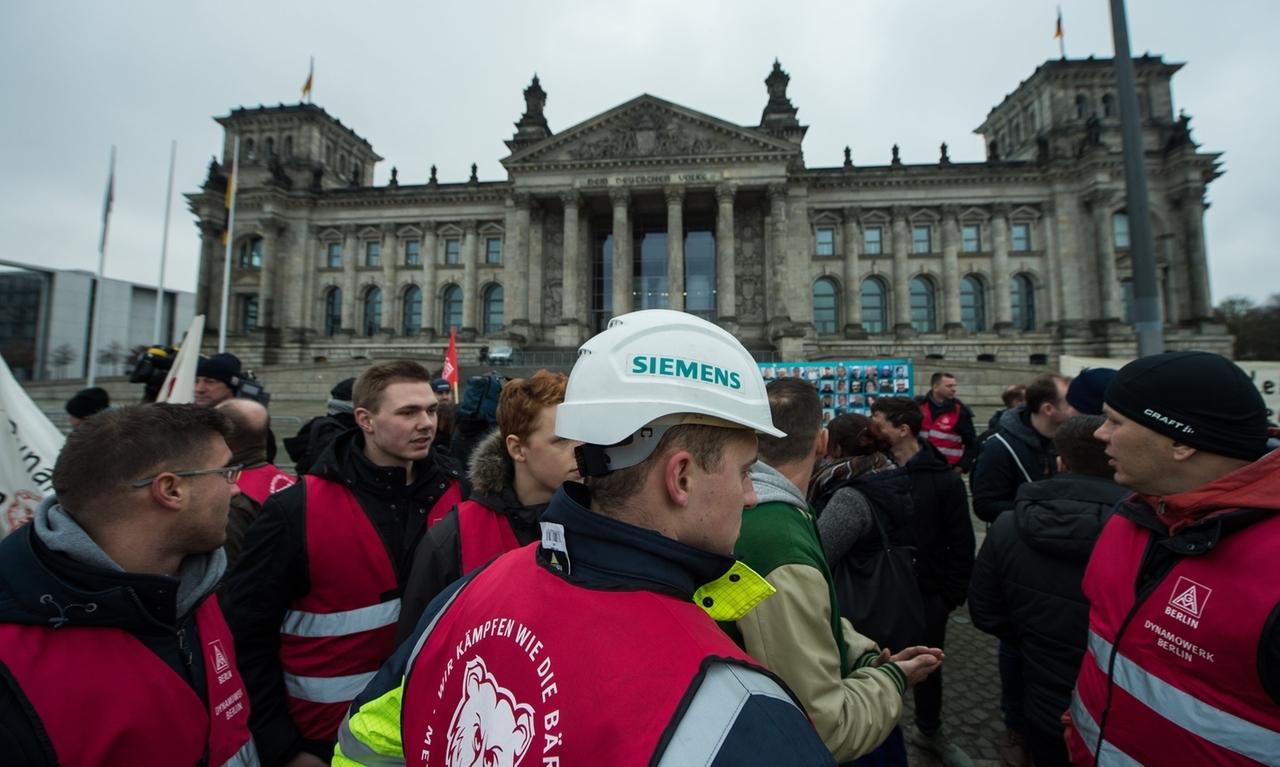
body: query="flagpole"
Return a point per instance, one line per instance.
(1062, 36)
(164, 245)
(97, 280)
(226, 258)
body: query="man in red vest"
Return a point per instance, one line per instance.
(948, 422)
(315, 597)
(514, 471)
(1183, 651)
(258, 479)
(599, 645)
(112, 647)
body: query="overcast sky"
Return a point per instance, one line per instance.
(441, 83)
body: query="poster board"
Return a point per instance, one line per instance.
(848, 386)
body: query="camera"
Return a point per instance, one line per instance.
(151, 369)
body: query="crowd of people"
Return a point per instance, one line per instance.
(656, 559)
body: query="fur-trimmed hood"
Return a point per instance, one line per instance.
(490, 468)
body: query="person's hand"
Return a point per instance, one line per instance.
(916, 663)
(303, 759)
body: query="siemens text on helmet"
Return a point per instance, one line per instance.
(676, 367)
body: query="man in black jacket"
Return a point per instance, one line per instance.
(1026, 585)
(948, 422)
(107, 605)
(944, 551)
(387, 467)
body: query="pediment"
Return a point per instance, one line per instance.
(649, 128)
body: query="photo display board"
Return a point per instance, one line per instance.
(847, 386)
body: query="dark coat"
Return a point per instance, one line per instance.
(996, 478)
(1027, 584)
(943, 529)
(273, 571)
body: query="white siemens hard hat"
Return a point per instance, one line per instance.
(658, 368)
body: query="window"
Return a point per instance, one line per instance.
(826, 242)
(875, 314)
(372, 315)
(412, 252)
(1023, 299)
(412, 314)
(872, 242)
(1021, 237)
(251, 253)
(248, 313)
(1082, 106)
(826, 306)
(451, 308)
(1108, 105)
(288, 146)
(493, 250)
(649, 289)
(452, 251)
(924, 306)
(271, 147)
(334, 251)
(1120, 226)
(493, 308)
(250, 150)
(921, 242)
(373, 254)
(328, 153)
(332, 311)
(700, 273)
(972, 236)
(973, 304)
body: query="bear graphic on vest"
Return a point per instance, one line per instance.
(489, 728)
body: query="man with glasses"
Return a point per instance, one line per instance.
(113, 649)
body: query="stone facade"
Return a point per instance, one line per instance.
(1018, 258)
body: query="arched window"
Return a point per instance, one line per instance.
(251, 253)
(826, 306)
(492, 308)
(875, 306)
(372, 315)
(332, 311)
(1023, 299)
(924, 306)
(271, 147)
(1082, 106)
(973, 304)
(250, 149)
(288, 146)
(412, 323)
(1108, 105)
(451, 308)
(248, 314)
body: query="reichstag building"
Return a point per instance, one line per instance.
(1018, 258)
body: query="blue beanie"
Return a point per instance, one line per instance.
(1086, 391)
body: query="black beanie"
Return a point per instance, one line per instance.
(1200, 399)
(224, 367)
(86, 402)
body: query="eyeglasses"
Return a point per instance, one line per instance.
(229, 473)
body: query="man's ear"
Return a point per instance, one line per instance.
(820, 444)
(1183, 452)
(1061, 465)
(168, 491)
(515, 448)
(364, 419)
(677, 479)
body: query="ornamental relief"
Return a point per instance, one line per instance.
(648, 133)
(552, 268)
(748, 258)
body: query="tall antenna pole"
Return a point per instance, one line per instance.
(97, 279)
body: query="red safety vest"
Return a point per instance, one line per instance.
(452, 497)
(263, 481)
(104, 698)
(484, 534)
(941, 431)
(1184, 686)
(336, 636)
(525, 664)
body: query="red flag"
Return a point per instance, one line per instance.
(450, 370)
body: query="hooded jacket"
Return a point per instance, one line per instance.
(1026, 584)
(943, 530)
(438, 559)
(798, 633)
(52, 573)
(273, 570)
(997, 476)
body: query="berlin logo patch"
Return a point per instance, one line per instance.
(1189, 596)
(220, 662)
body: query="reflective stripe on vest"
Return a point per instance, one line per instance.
(1087, 730)
(940, 431)
(327, 689)
(1214, 725)
(304, 624)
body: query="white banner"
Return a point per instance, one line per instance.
(28, 449)
(180, 385)
(1265, 375)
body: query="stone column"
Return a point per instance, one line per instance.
(775, 290)
(300, 282)
(350, 279)
(1108, 284)
(951, 270)
(675, 248)
(271, 243)
(622, 260)
(852, 273)
(470, 299)
(1000, 283)
(536, 266)
(430, 320)
(1197, 260)
(901, 272)
(1065, 214)
(515, 267)
(390, 298)
(726, 273)
(572, 312)
(1053, 264)
(208, 286)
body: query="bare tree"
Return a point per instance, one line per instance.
(61, 357)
